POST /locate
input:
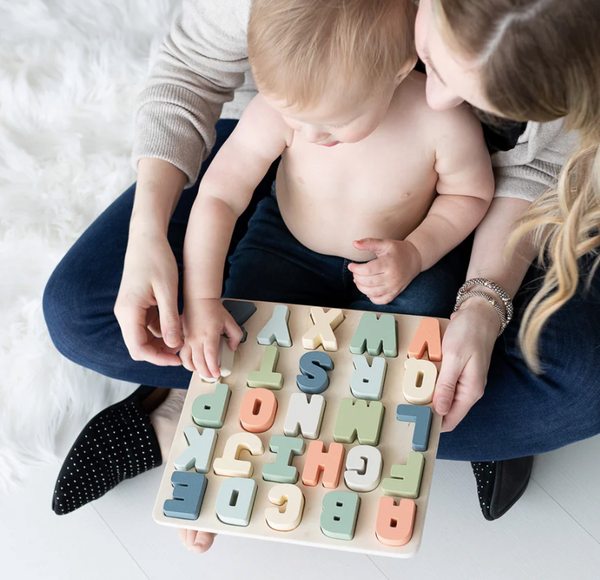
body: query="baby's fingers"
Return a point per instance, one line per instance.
(211, 356)
(371, 268)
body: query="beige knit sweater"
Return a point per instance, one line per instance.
(203, 63)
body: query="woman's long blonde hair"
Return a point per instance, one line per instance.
(540, 61)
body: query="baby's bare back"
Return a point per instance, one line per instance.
(380, 187)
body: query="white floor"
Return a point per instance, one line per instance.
(552, 533)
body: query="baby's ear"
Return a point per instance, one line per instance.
(406, 69)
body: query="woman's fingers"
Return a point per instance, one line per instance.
(445, 386)
(170, 324)
(140, 342)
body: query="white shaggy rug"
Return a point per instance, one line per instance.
(70, 71)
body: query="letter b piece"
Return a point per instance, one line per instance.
(339, 515)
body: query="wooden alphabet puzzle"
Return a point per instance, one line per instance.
(319, 432)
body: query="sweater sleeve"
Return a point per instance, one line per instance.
(200, 64)
(533, 166)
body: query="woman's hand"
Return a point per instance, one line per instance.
(204, 321)
(146, 306)
(467, 352)
(195, 541)
(397, 264)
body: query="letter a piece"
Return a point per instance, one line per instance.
(304, 416)
(419, 379)
(314, 367)
(290, 518)
(277, 328)
(374, 334)
(358, 418)
(209, 410)
(405, 480)
(318, 460)
(363, 468)
(235, 501)
(367, 381)
(321, 333)
(200, 451)
(421, 417)
(281, 471)
(258, 410)
(339, 515)
(428, 336)
(266, 377)
(229, 465)
(188, 495)
(395, 523)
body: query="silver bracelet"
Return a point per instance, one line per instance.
(495, 288)
(503, 321)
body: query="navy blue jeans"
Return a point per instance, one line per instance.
(520, 413)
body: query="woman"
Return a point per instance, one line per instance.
(532, 61)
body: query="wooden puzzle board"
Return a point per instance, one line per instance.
(395, 440)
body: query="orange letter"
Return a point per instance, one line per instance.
(428, 337)
(330, 463)
(394, 525)
(258, 410)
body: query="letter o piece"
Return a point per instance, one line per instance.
(235, 501)
(363, 468)
(395, 523)
(291, 517)
(258, 410)
(419, 379)
(229, 465)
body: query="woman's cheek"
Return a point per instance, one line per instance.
(439, 98)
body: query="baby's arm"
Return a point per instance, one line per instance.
(465, 186)
(225, 191)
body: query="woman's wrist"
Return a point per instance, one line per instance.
(483, 311)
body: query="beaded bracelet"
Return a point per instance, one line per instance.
(495, 288)
(490, 299)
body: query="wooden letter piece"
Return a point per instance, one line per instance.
(200, 451)
(321, 333)
(304, 416)
(277, 328)
(419, 379)
(229, 465)
(290, 518)
(428, 337)
(367, 381)
(266, 377)
(363, 468)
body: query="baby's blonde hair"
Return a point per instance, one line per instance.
(304, 50)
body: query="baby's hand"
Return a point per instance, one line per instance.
(196, 541)
(396, 266)
(204, 321)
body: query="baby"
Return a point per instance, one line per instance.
(368, 174)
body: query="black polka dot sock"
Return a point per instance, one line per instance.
(500, 484)
(117, 444)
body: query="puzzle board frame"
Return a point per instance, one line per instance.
(395, 440)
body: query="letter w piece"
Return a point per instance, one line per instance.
(374, 335)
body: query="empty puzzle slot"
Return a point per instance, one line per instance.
(234, 497)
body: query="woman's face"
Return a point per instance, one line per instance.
(451, 77)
